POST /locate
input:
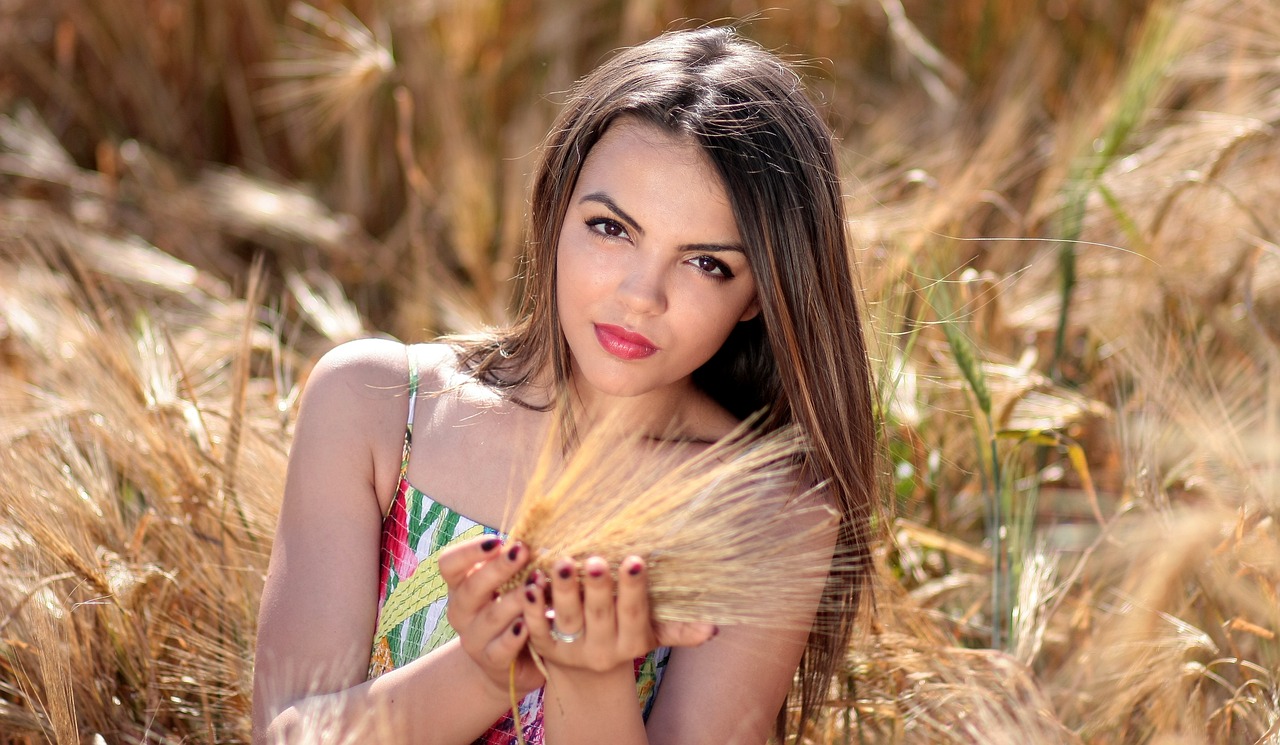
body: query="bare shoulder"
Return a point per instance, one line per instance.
(374, 370)
(363, 364)
(357, 399)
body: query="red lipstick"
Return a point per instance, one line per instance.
(623, 344)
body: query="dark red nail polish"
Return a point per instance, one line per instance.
(565, 572)
(635, 569)
(515, 630)
(489, 544)
(529, 593)
(513, 553)
(596, 572)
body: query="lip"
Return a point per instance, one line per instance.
(623, 344)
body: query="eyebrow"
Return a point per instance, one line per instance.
(602, 198)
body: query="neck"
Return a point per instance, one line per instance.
(664, 414)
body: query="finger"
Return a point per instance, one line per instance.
(535, 609)
(497, 615)
(505, 646)
(566, 596)
(684, 633)
(480, 586)
(635, 627)
(457, 560)
(598, 600)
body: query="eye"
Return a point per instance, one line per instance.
(712, 266)
(607, 227)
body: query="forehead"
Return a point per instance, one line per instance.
(630, 135)
(652, 171)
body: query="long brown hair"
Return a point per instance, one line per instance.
(803, 358)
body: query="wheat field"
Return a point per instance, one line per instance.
(1065, 214)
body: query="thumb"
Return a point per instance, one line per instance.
(684, 633)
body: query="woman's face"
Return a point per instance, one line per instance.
(651, 274)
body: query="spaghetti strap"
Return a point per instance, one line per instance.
(412, 354)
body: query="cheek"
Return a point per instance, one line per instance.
(750, 306)
(581, 284)
(567, 301)
(719, 315)
(571, 281)
(741, 307)
(567, 274)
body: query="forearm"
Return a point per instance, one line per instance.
(582, 707)
(440, 698)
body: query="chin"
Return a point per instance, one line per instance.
(622, 380)
(616, 387)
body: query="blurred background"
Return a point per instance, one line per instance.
(1064, 215)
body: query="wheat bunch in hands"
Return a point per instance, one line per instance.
(732, 534)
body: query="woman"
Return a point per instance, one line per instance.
(687, 266)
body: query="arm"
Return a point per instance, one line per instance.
(731, 691)
(319, 603)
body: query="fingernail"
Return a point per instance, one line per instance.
(514, 552)
(635, 569)
(489, 544)
(564, 571)
(596, 571)
(515, 630)
(529, 593)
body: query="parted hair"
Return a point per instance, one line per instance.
(803, 358)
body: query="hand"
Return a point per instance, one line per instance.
(490, 625)
(604, 631)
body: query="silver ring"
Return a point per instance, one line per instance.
(564, 638)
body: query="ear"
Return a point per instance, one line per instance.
(753, 309)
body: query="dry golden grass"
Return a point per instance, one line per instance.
(698, 521)
(1088, 552)
(139, 500)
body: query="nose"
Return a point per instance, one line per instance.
(642, 290)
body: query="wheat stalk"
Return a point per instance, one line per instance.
(326, 71)
(729, 534)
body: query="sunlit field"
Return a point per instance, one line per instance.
(1065, 218)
